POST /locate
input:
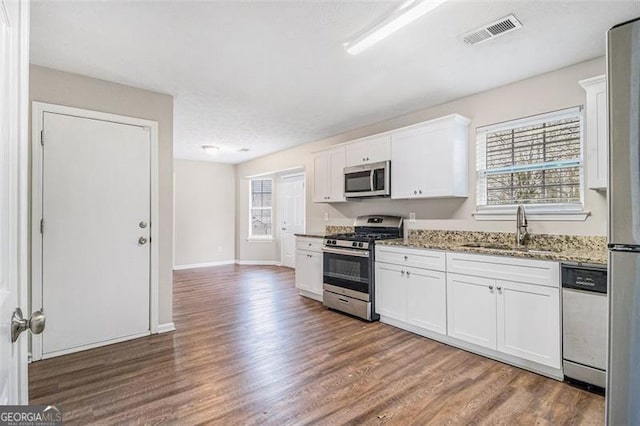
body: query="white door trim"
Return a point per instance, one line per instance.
(281, 206)
(38, 110)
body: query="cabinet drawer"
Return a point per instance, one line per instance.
(415, 258)
(530, 271)
(309, 244)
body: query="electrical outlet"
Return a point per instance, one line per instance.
(412, 216)
(326, 217)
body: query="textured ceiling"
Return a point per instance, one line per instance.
(268, 75)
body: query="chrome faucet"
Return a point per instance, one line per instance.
(522, 234)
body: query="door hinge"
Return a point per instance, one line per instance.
(41, 226)
(42, 137)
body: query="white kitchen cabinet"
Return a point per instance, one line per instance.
(328, 175)
(309, 267)
(518, 318)
(528, 318)
(391, 292)
(415, 296)
(429, 160)
(471, 308)
(426, 299)
(596, 132)
(369, 150)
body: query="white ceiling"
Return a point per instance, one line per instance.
(269, 75)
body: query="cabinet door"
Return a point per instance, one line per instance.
(315, 273)
(371, 150)
(529, 322)
(336, 179)
(391, 292)
(471, 309)
(321, 181)
(303, 271)
(596, 132)
(406, 163)
(426, 299)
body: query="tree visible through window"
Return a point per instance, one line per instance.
(537, 161)
(261, 208)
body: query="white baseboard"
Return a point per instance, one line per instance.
(203, 265)
(164, 328)
(259, 262)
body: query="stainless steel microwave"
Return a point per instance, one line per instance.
(368, 180)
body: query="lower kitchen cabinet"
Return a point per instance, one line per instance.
(471, 307)
(527, 320)
(518, 319)
(502, 307)
(426, 300)
(411, 295)
(309, 269)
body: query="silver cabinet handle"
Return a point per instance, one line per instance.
(19, 324)
(402, 272)
(142, 224)
(491, 287)
(420, 191)
(142, 241)
(499, 289)
(408, 273)
(415, 192)
(406, 258)
(363, 159)
(367, 158)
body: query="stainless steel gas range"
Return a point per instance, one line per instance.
(348, 265)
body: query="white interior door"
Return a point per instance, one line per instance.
(292, 190)
(95, 232)
(14, 20)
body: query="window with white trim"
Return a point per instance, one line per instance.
(261, 225)
(536, 161)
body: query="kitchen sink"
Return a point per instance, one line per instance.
(501, 247)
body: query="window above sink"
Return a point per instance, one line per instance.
(535, 161)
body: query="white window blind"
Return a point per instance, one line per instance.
(261, 208)
(534, 161)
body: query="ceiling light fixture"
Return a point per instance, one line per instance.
(404, 15)
(211, 149)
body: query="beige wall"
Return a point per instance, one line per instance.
(57, 87)
(205, 211)
(548, 92)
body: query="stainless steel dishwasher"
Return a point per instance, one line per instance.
(584, 324)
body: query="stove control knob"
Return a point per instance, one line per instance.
(334, 242)
(355, 244)
(359, 244)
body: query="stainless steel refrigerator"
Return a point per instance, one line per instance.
(623, 77)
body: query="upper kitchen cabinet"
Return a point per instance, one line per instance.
(429, 160)
(596, 132)
(369, 150)
(328, 175)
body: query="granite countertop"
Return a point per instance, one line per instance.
(586, 249)
(310, 235)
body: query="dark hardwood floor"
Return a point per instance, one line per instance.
(249, 350)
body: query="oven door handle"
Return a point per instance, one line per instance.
(346, 251)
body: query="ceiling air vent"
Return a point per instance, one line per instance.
(491, 30)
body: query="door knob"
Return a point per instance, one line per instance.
(142, 224)
(142, 241)
(19, 324)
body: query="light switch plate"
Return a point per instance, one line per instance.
(326, 217)
(412, 216)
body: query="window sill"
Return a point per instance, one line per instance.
(260, 240)
(549, 215)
